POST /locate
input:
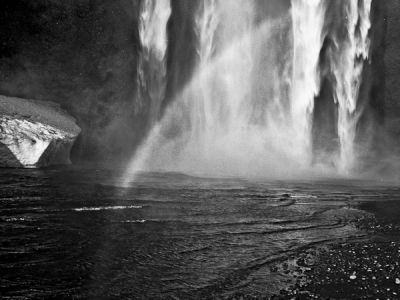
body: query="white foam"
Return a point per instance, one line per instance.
(15, 219)
(303, 196)
(107, 208)
(135, 221)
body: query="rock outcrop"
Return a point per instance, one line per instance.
(34, 133)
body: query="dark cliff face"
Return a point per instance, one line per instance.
(81, 54)
(379, 126)
(84, 55)
(392, 73)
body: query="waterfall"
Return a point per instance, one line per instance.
(348, 72)
(207, 21)
(308, 22)
(248, 108)
(201, 126)
(154, 15)
(213, 99)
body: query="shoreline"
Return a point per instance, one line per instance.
(367, 268)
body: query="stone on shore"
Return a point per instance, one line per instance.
(35, 133)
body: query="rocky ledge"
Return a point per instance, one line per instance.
(35, 133)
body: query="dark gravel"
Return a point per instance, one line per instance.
(363, 269)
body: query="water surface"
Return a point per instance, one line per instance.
(76, 233)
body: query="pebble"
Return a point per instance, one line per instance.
(377, 266)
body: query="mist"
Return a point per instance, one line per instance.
(303, 96)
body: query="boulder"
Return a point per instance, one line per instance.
(35, 133)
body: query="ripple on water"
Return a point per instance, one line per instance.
(190, 239)
(100, 208)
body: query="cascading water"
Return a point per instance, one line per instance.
(216, 96)
(308, 22)
(153, 20)
(207, 22)
(354, 51)
(248, 109)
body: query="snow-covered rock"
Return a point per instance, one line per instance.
(34, 133)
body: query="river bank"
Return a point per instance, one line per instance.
(367, 268)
